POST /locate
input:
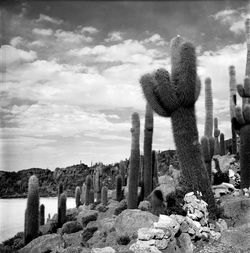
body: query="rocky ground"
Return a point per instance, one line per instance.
(114, 228)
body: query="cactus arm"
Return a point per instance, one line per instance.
(239, 115)
(149, 90)
(241, 90)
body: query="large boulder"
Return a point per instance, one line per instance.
(130, 220)
(236, 210)
(71, 214)
(45, 243)
(167, 185)
(85, 217)
(71, 227)
(73, 240)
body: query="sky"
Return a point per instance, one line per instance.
(70, 74)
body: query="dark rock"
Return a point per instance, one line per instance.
(85, 217)
(71, 214)
(71, 227)
(73, 240)
(121, 207)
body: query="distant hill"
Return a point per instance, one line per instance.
(15, 184)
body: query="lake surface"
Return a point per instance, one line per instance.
(12, 214)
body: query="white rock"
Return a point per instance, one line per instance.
(141, 247)
(215, 235)
(178, 218)
(103, 250)
(150, 233)
(221, 224)
(167, 222)
(161, 244)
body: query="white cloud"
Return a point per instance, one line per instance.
(235, 19)
(89, 29)
(155, 39)
(49, 19)
(12, 56)
(72, 37)
(43, 32)
(16, 41)
(114, 37)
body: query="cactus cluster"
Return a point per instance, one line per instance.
(175, 96)
(241, 124)
(31, 227)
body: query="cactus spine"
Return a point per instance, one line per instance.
(119, 195)
(134, 162)
(42, 214)
(209, 108)
(232, 103)
(148, 135)
(32, 211)
(88, 188)
(78, 196)
(216, 137)
(176, 98)
(222, 144)
(62, 209)
(242, 125)
(104, 195)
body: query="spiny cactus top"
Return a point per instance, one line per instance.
(166, 94)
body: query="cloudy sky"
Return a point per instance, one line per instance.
(70, 71)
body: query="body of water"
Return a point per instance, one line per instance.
(12, 214)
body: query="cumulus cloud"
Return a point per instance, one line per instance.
(234, 18)
(89, 29)
(155, 39)
(42, 31)
(114, 37)
(71, 37)
(46, 18)
(12, 56)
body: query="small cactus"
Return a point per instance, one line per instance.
(32, 211)
(134, 162)
(104, 195)
(148, 135)
(78, 196)
(209, 108)
(88, 188)
(62, 209)
(83, 194)
(119, 194)
(222, 144)
(42, 214)
(216, 137)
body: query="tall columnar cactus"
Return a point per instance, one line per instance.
(207, 150)
(91, 196)
(104, 195)
(119, 194)
(134, 162)
(78, 196)
(42, 214)
(32, 211)
(98, 186)
(242, 126)
(175, 97)
(141, 170)
(247, 26)
(60, 191)
(216, 137)
(122, 169)
(88, 188)
(154, 170)
(209, 108)
(222, 144)
(62, 209)
(232, 104)
(83, 194)
(148, 136)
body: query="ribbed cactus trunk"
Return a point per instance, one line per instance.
(83, 194)
(245, 156)
(175, 96)
(32, 211)
(119, 195)
(104, 195)
(141, 170)
(222, 144)
(98, 186)
(122, 168)
(62, 210)
(247, 73)
(209, 108)
(42, 214)
(78, 196)
(148, 136)
(88, 188)
(216, 137)
(155, 180)
(232, 104)
(134, 162)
